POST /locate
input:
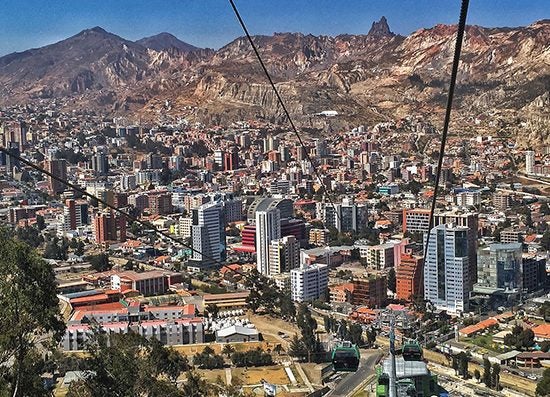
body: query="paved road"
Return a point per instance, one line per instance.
(352, 380)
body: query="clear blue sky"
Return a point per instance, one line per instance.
(28, 24)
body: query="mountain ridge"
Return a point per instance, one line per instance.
(366, 78)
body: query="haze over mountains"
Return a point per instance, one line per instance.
(366, 78)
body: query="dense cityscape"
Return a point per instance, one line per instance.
(187, 258)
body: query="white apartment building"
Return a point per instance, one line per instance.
(268, 228)
(308, 282)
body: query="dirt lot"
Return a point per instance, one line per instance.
(253, 376)
(270, 327)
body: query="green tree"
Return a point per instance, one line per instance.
(124, 365)
(495, 375)
(487, 378)
(100, 262)
(543, 386)
(195, 386)
(355, 334)
(167, 360)
(477, 375)
(297, 348)
(228, 350)
(40, 222)
(29, 310)
(213, 309)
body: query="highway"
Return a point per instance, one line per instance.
(350, 381)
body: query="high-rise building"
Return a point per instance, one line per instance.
(231, 160)
(502, 201)
(416, 220)
(100, 163)
(446, 268)
(284, 255)
(208, 234)
(345, 217)
(308, 283)
(499, 267)
(529, 162)
(58, 168)
(75, 214)
(219, 157)
(109, 226)
(470, 221)
(533, 273)
(268, 228)
(11, 162)
(370, 291)
(160, 203)
(409, 277)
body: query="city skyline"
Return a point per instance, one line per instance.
(36, 23)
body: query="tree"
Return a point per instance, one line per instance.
(477, 375)
(29, 235)
(100, 262)
(228, 350)
(29, 310)
(40, 223)
(495, 375)
(297, 348)
(392, 282)
(195, 386)
(487, 378)
(56, 249)
(278, 349)
(129, 365)
(355, 334)
(167, 360)
(213, 309)
(543, 386)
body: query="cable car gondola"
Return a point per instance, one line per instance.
(412, 351)
(345, 358)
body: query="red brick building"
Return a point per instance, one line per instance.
(409, 277)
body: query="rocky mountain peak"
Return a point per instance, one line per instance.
(380, 29)
(165, 41)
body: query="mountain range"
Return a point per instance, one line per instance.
(504, 76)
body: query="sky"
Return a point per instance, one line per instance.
(28, 24)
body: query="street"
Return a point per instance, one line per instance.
(350, 381)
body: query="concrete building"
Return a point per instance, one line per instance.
(378, 256)
(345, 217)
(58, 168)
(499, 267)
(370, 291)
(308, 283)
(147, 283)
(446, 269)
(109, 226)
(208, 235)
(284, 255)
(268, 228)
(529, 162)
(408, 277)
(171, 325)
(237, 333)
